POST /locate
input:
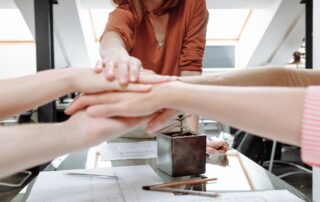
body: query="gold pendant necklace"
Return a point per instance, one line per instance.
(160, 43)
(159, 37)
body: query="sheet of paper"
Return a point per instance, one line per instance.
(56, 186)
(254, 196)
(231, 177)
(132, 150)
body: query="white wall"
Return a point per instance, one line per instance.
(17, 59)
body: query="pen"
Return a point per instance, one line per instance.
(183, 191)
(181, 182)
(94, 175)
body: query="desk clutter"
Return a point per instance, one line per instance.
(125, 184)
(178, 153)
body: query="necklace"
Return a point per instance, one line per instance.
(160, 41)
(159, 35)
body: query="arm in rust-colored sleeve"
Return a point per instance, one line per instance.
(118, 32)
(195, 41)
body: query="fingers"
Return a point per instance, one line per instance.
(134, 70)
(82, 102)
(159, 120)
(106, 97)
(109, 70)
(148, 71)
(126, 108)
(99, 67)
(134, 121)
(211, 150)
(155, 79)
(135, 88)
(129, 70)
(107, 110)
(125, 69)
(218, 146)
(123, 73)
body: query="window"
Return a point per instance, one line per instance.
(13, 26)
(226, 24)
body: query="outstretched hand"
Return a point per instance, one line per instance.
(129, 71)
(126, 104)
(88, 131)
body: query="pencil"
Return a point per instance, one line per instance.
(183, 191)
(181, 182)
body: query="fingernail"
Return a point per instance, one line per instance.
(133, 79)
(123, 81)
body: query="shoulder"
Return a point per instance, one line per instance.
(196, 4)
(195, 8)
(195, 11)
(122, 14)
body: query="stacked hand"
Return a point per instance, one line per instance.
(93, 83)
(118, 96)
(153, 104)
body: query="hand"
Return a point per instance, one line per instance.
(217, 146)
(129, 104)
(86, 131)
(86, 80)
(116, 104)
(129, 71)
(128, 68)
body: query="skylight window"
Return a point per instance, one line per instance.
(13, 26)
(226, 24)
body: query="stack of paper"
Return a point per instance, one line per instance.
(132, 150)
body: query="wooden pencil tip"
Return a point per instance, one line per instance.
(146, 187)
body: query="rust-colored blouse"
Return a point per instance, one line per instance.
(184, 41)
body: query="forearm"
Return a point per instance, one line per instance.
(273, 76)
(193, 120)
(21, 94)
(270, 112)
(19, 150)
(111, 43)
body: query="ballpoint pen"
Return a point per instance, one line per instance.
(94, 175)
(190, 192)
(167, 187)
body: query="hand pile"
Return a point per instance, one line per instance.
(134, 96)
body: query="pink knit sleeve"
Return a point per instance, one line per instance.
(310, 140)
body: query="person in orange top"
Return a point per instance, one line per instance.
(167, 37)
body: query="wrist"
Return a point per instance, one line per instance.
(115, 52)
(170, 94)
(72, 78)
(72, 135)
